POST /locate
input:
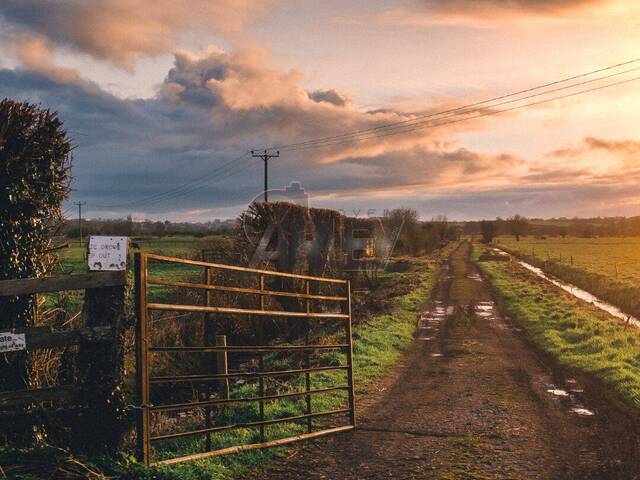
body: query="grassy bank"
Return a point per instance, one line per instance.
(578, 335)
(606, 267)
(378, 342)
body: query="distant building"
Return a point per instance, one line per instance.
(296, 194)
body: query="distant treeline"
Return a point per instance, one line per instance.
(129, 227)
(417, 236)
(556, 227)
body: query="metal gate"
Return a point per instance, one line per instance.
(315, 302)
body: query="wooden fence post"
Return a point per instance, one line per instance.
(222, 366)
(101, 368)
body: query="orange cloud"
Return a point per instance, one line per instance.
(35, 53)
(122, 31)
(490, 8)
(489, 12)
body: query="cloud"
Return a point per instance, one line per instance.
(202, 119)
(247, 97)
(486, 8)
(239, 81)
(35, 53)
(330, 96)
(490, 12)
(624, 148)
(434, 168)
(121, 31)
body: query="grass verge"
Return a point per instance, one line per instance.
(578, 335)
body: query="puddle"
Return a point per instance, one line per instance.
(558, 392)
(437, 355)
(581, 294)
(582, 412)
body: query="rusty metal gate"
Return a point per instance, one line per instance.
(303, 302)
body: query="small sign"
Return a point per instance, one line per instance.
(12, 342)
(107, 253)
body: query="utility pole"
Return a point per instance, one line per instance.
(265, 156)
(80, 204)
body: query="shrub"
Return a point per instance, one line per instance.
(35, 160)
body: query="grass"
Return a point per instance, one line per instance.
(73, 259)
(606, 267)
(578, 335)
(378, 343)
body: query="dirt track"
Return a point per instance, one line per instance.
(470, 400)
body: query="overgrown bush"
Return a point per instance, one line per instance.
(35, 161)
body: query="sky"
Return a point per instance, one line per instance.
(164, 100)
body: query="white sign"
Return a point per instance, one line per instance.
(108, 253)
(12, 342)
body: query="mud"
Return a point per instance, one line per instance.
(472, 400)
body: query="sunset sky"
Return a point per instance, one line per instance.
(163, 98)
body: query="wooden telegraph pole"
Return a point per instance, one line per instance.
(265, 156)
(80, 204)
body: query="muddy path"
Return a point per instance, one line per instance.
(471, 400)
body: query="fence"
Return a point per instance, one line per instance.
(317, 302)
(99, 356)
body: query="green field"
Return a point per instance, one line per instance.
(578, 335)
(73, 259)
(606, 267)
(614, 257)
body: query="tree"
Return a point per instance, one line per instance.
(441, 223)
(409, 238)
(488, 230)
(518, 226)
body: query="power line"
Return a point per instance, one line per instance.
(486, 114)
(160, 196)
(322, 140)
(229, 173)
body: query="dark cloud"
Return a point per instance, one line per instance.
(330, 96)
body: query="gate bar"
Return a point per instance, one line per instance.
(249, 348)
(192, 405)
(142, 363)
(236, 426)
(272, 373)
(254, 291)
(162, 258)
(243, 311)
(253, 446)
